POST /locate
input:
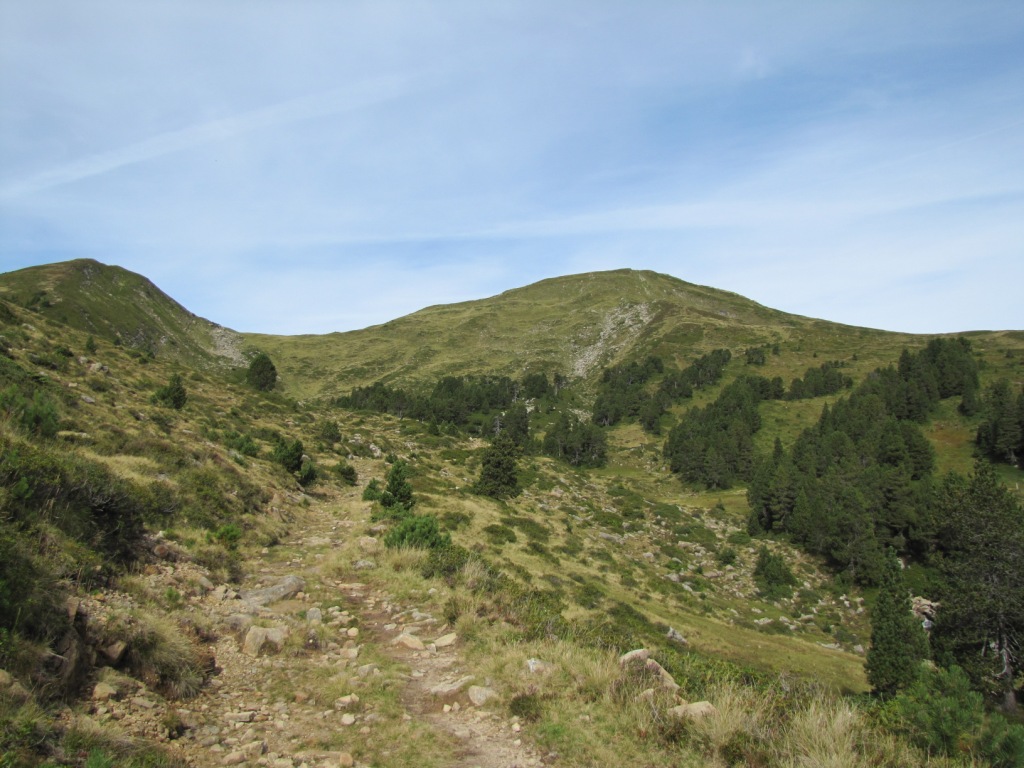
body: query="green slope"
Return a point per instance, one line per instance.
(123, 307)
(574, 325)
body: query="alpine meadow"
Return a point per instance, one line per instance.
(606, 519)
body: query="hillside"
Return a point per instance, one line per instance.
(122, 307)
(160, 526)
(573, 325)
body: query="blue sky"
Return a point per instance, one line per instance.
(297, 166)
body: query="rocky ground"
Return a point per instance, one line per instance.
(310, 670)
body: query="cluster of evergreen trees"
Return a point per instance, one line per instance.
(624, 391)
(467, 402)
(860, 479)
(714, 446)
(826, 379)
(580, 443)
(1001, 435)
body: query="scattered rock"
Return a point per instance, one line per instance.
(411, 642)
(480, 695)
(675, 637)
(113, 653)
(694, 711)
(103, 692)
(369, 544)
(450, 689)
(289, 586)
(639, 655)
(446, 640)
(364, 565)
(538, 667)
(259, 638)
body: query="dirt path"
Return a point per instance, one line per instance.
(303, 672)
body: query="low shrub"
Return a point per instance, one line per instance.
(418, 531)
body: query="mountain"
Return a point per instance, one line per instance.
(130, 525)
(573, 325)
(113, 303)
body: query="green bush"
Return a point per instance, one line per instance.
(346, 473)
(417, 531)
(173, 395)
(261, 374)
(372, 490)
(308, 474)
(941, 712)
(773, 577)
(499, 534)
(446, 562)
(36, 415)
(289, 454)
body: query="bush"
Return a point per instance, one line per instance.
(418, 531)
(346, 473)
(372, 490)
(941, 712)
(37, 415)
(308, 474)
(773, 577)
(173, 395)
(289, 454)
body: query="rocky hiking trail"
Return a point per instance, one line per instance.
(313, 670)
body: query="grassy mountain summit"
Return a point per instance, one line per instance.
(573, 325)
(120, 306)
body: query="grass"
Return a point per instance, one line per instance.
(586, 543)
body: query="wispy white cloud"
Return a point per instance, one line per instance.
(335, 102)
(346, 163)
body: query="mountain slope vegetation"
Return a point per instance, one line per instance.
(129, 516)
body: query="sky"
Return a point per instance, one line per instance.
(308, 166)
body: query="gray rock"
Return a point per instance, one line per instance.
(369, 544)
(289, 586)
(451, 688)
(411, 642)
(445, 640)
(103, 692)
(694, 711)
(259, 638)
(676, 637)
(638, 656)
(480, 695)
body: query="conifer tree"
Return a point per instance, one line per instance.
(262, 374)
(499, 475)
(898, 642)
(174, 395)
(397, 492)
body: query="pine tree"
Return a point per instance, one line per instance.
(397, 492)
(262, 374)
(980, 625)
(499, 475)
(898, 642)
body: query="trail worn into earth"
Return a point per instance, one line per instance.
(299, 653)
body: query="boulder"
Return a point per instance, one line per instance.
(445, 640)
(480, 695)
(289, 586)
(411, 642)
(257, 639)
(638, 656)
(675, 637)
(694, 711)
